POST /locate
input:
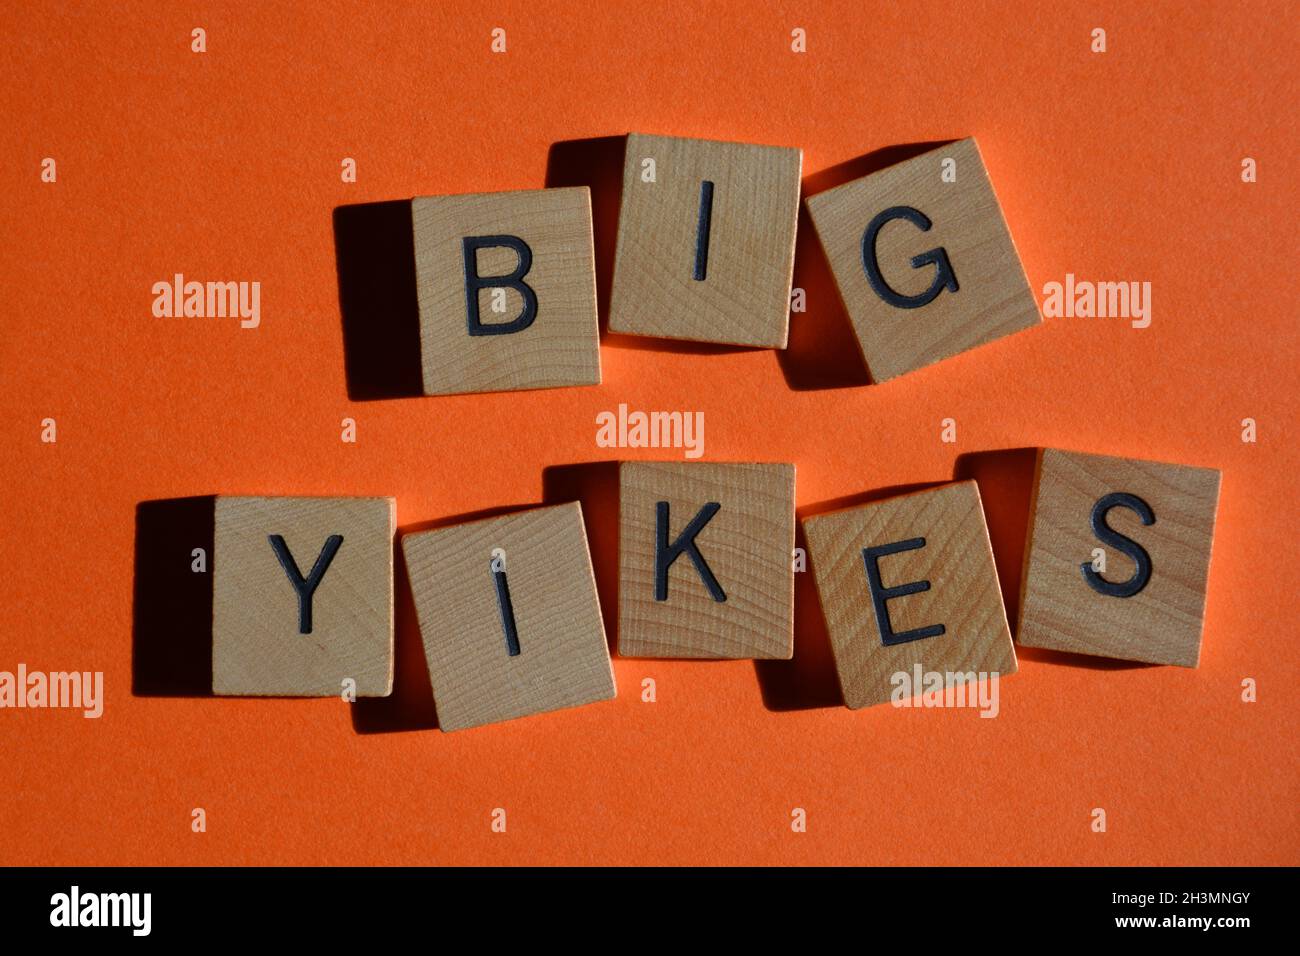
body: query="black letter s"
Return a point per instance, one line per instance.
(1108, 536)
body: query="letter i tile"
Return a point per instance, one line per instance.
(509, 616)
(706, 241)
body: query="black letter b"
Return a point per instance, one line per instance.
(515, 280)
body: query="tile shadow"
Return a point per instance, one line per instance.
(374, 247)
(595, 485)
(1006, 482)
(171, 632)
(596, 163)
(823, 351)
(1044, 656)
(410, 706)
(809, 681)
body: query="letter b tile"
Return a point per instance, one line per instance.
(509, 616)
(1151, 524)
(302, 596)
(705, 560)
(909, 584)
(925, 266)
(506, 284)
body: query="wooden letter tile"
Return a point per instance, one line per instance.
(706, 560)
(910, 583)
(1152, 524)
(507, 291)
(706, 241)
(302, 596)
(926, 268)
(509, 616)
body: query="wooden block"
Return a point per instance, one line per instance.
(509, 616)
(302, 596)
(506, 284)
(706, 249)
(735, 519)
(944, 276)
(1154, 524)
(935, 603)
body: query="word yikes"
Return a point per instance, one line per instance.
(211, 300)
(78, 690)
(1102, 300)
(103, 909)
(946, 689)
(638, 429)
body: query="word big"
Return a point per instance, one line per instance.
(706, 237)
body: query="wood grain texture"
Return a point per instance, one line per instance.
(964, 595)
(1162, 623)
(561, 346)
(744, 298)
(257, 646)
(748, 545)
(563, 660)
(993, 298)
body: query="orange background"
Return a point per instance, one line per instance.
(226, 165)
